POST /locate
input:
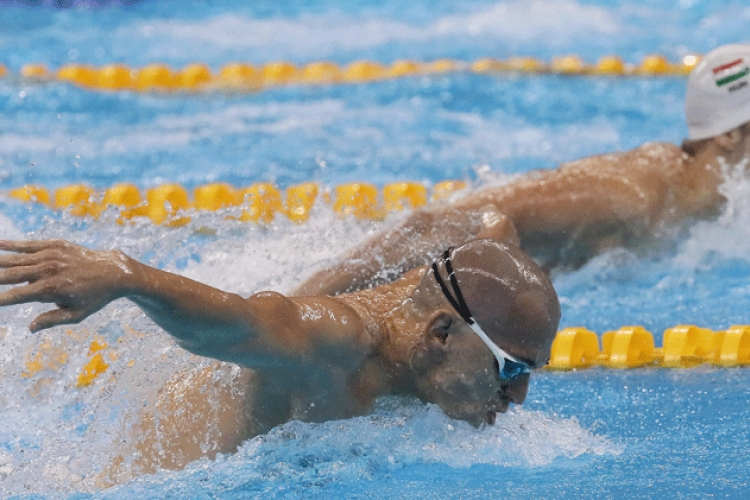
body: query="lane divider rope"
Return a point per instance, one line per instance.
(684, 346)
(169, 204)
(245, 77)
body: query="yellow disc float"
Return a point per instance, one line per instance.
(321, 72)
(35, 71)
(400, 195)
(442, 66)
(688, 345)
(114, 77)
(279, 73)
(488, 65)
(733, 346)
(216, 196)
(165, 202)
(570, 64)
(262, 201)
(300, 200)
(155, 77)
(404, 67)
(526, 64)
(610, 65)
(574, 348)
(654, 64)
(194, 76)
(78, 74)
(363, 71)
(239, 76)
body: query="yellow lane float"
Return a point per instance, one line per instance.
(241, 76)
(77, 74)
(321, 72)
(684, 346)
(260, 202)
(238, 76)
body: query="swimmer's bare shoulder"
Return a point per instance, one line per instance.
(602, 188)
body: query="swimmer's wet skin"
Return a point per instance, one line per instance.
(309, 358)
(565, 216)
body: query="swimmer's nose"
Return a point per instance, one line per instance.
(515, 390)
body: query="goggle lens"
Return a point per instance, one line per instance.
(512, 370)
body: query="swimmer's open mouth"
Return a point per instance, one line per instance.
(498, 404)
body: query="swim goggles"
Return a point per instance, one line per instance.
(508, 367)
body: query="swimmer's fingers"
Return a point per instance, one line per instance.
(23, 274)
(39, 291)
(30, 246)
(18, 259)
(27, 253)
(57, 317)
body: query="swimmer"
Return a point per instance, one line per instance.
(463, 333)
(565, 216)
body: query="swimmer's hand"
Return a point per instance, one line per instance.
(77, 280)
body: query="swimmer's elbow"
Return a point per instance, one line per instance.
(247, 331)
(276, 323)
(221, 342)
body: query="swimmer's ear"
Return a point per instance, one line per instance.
(438, 326)
(728, 141)
(431, 350)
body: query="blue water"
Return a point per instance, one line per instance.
(594, 434)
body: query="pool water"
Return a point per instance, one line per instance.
(645, 433)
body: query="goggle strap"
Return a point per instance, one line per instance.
(456, 288)
(499, 354)
(458, 303)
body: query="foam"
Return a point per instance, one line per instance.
(728, 236)
(397, 435)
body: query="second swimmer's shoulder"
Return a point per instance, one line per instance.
(659, 150)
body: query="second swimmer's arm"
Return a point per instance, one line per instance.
(601, 190)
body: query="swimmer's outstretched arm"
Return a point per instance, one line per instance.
(265, 329)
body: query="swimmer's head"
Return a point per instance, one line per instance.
(514, 307)
(718, 92)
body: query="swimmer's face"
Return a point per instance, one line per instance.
(458, 372)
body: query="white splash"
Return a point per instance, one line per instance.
(728, 235)
(396, 435)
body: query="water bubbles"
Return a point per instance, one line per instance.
(24, 311)
(6, 464)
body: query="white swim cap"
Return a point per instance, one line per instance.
(718, 92)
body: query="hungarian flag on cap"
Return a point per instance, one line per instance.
(730, 72)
